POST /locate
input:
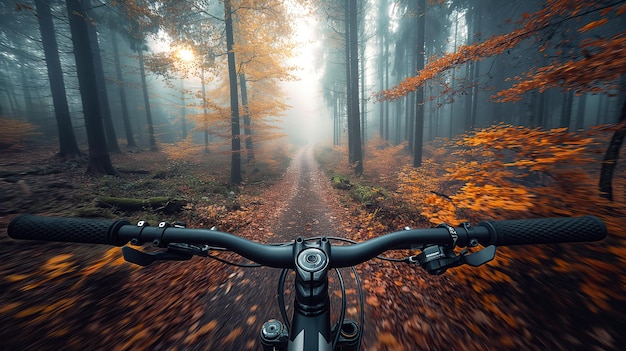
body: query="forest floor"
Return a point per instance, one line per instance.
(66, 296)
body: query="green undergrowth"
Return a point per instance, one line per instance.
(364, 194)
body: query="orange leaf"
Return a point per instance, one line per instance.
(372, 301)
(592, 25)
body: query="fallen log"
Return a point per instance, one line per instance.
(158, 204)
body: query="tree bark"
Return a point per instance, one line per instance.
(99, 160)
(419, 94)
(130, 139)
(611, 156)
(247, 121)
(107, 121)
(580, 113)
(235, 167)
(355, 152)
(205, 110)
(566, 110)
(68, 148)
(146, 101)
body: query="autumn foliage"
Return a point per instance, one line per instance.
(507, 172)
(586, 67)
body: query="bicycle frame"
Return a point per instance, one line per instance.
(310, 325)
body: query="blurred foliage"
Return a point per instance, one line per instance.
(513, 172)
(14, 132)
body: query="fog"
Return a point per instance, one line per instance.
(308, 119)
(296, 57)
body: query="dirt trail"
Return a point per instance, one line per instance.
(306, 211)
(301, 204)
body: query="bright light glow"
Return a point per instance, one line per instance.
(304, 121)
(185, 55)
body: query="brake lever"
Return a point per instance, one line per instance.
(142, 258)
(480, 257)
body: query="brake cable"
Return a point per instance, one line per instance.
(342, 314)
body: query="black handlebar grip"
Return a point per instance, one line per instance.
(546, 230)
(75, 230)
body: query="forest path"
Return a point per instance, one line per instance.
(303, 204)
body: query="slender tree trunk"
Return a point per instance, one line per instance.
(411, 102)
(363, 100)
(247, 121)
(355, 152)
(146, 101)
(205, 116)
(566, 110)
(453, 80)
(130, 139)
(348, 73)
(107, 121)
(235, 169)
(99, 160)
(386, 124)
(381, 107)
(476, 68)
(397, 138)
(383, 24)
(599, 110)
(580, 113)
(28, 100)
(183, 112)
(611, 156)
(419, 94)
(336, 120)
(68, 148)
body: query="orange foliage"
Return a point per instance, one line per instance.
(506, 172)
(385, 157)
(507, 169)
(604, 62)
(601, 63)
(592, 25)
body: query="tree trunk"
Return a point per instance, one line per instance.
(247, 122)
(411, 102)
(99, 160)
(453, 81)
(580, 114)
(130, 139)
(355, 153)
(68, 148)
(476, 69)
(419, 94)
(611, 156)
(146, 101)
(386, 126)
(107, 121)
(205, 116)
(566, 110)
(381, 79)
(363, 98)
(348, 73)
(28, 100)
(235, 167)
(183, 108)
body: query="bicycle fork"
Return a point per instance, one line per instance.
(310, 327)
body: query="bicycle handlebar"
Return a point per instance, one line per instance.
(499, 233)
